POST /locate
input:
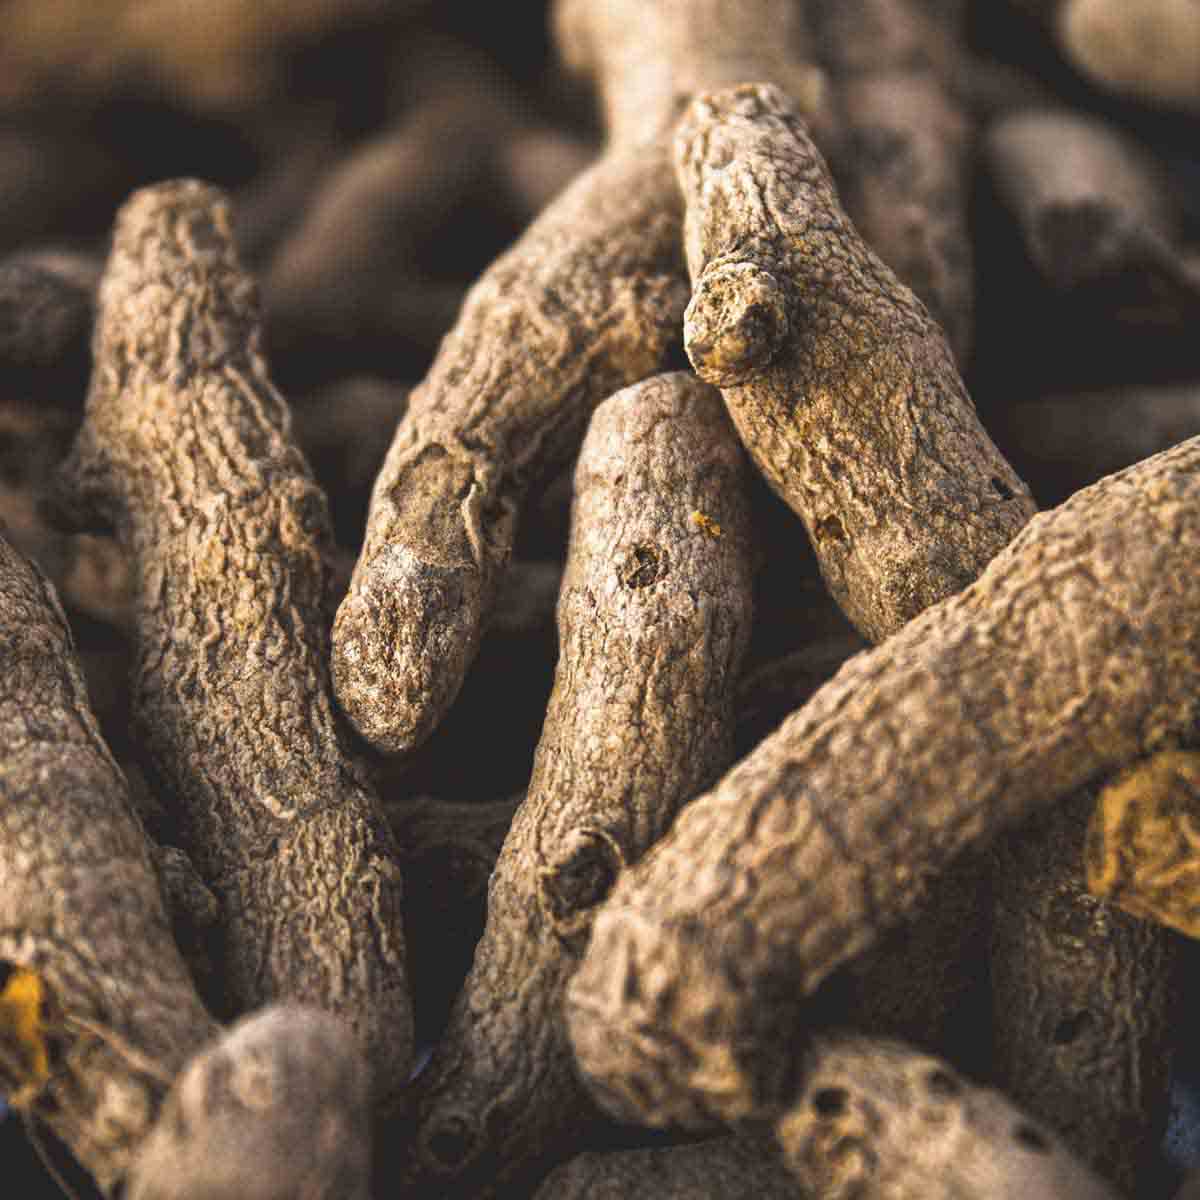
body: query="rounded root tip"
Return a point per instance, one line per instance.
(402, 641)
(736, 323)
(276, 1107)
(615, 1007)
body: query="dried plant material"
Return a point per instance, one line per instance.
(841, 386)
(1090, 203)
(349, 268)
(184, 892)
(1068, 441)
(588, 299)
(45, 324)
(186, 449)
(648, 58)
(1146, 49)
(97, 1011)
(223, 56)
(726, 1168)
(1084, 1000)
(89, 571)
(654, 617)
(535, 162)
(905, 146)
(874, 1119)
(1075, 652)
(23, 1030)
(276, 1109)
(1143, 844)
(51, 181)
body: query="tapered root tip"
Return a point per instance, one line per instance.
(736, 323)
(402, 642)
(617, 1010)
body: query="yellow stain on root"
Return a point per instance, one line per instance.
(1143, 843)
(706, 524)
(22, 1028)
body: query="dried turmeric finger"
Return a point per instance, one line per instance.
(1067, 441)
(1146, 49)
(1084, 997)
(45, 320)
(1075, 652)
(277, 1108)
(724, 1168)
(654, 617)
(186, 449)
(1090, 202)
(840, 384)
(89, 571)
(903, 153)
(875, 1118)
(97, 1011)
(647, 58)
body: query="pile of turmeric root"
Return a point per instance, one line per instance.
(609, 612)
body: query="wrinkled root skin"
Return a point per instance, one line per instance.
(875, 1119)
(654, 617)
(842, 387)
(80, 905)
(186, 449)
(587, 301)
(1075, 652)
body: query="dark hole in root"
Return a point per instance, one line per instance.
(1031, 1139)
(1001, 488)
(452, 1144)
(829, 529)
(643, 566)
(830, 1102)
(1069, 1028)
